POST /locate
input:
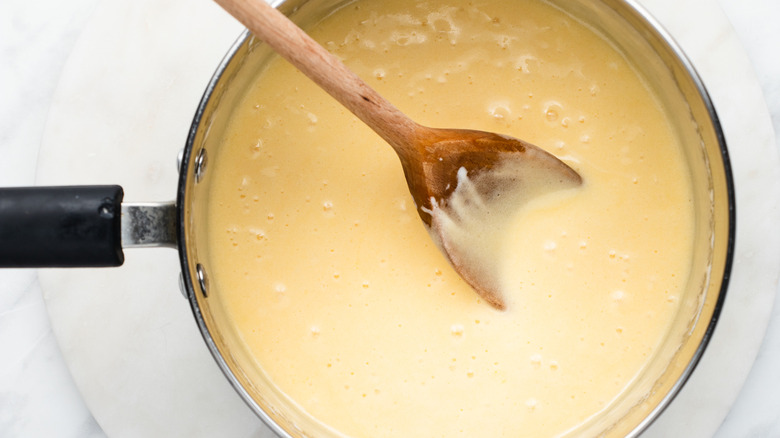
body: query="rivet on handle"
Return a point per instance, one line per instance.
(200, 165)
(203, 279)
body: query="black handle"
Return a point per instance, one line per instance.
(76, 226)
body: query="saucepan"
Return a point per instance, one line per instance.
(89, 225)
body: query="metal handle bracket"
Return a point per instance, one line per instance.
(149, 225)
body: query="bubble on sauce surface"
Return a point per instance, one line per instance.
(617, 295)
(527, 64)
(407, 38)
(552, 111)
(258, 233)
(505, 41)
(256, 147)
(440, 24)
(500, 110)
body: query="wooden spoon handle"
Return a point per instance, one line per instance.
(327, 71)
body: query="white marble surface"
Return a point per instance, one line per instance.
(38, 396)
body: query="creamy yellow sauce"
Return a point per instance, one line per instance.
(319, 257)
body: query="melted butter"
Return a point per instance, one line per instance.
(320, 259)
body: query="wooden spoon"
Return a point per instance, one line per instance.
(432, 158)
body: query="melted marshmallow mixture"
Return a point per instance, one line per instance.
(335, 287)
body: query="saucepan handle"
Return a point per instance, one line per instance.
(77, 226)
(73, 226)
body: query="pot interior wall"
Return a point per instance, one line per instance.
(694, 120)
